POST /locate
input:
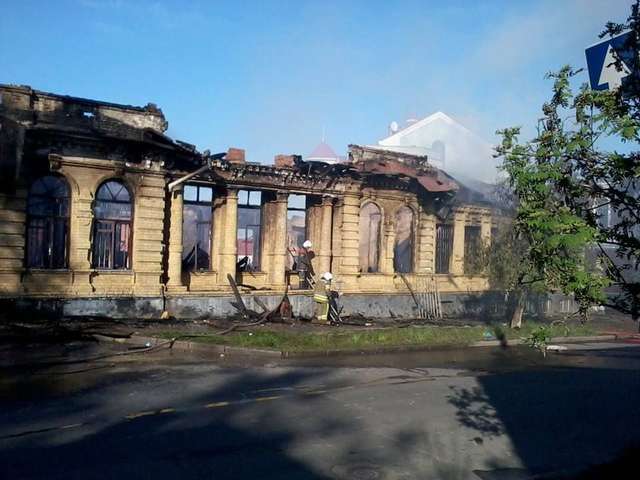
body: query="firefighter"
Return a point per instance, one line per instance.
(321, 294)
(303, 264)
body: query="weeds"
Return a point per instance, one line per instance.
(539, 338)
(535, 335)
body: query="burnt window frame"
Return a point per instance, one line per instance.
(378, 239)
(439, 267)
(113, 224)
(200, 203)
(412, 239)
(472, 250)
(293, 255)
(256, 266)
(50, 222)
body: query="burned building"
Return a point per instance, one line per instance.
(102, 213)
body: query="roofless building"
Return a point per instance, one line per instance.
(102, 213)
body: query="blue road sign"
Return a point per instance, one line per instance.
(601, 59)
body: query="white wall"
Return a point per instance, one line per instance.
(466, 154)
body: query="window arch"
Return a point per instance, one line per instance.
(48, 223)
(370, 220)
(112, 212)
(403, 246)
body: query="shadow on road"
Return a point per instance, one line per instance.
(557, 419)
(248, 438)
(194, 443)
(284, 422)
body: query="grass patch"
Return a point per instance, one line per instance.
(370, 339)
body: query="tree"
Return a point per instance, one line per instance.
(578, 204)
(506, 258)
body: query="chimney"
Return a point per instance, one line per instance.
(284, 161)
(235, 155)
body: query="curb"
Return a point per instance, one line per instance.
(517, 341)
(427, 348)
(192, 346)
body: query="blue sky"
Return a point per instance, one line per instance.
(268, 76)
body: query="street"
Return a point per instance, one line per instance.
(475, 413)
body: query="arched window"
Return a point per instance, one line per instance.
(112, 231)
(403, 247)
(370, 219)
(48, 223)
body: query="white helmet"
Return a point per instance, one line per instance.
(327, 276)
(307, 244)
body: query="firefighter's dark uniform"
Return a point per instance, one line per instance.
(304, 268)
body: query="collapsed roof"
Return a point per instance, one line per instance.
(39, 124)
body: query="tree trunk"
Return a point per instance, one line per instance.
(516, 316)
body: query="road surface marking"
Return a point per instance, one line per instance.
(73, 425)
(294, 391)
(267, 399)
(133, 416)
(42, 430)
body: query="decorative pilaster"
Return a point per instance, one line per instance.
(457, 257)
(175, 240)
(426, 247)
(336, 238)
(229, 236)
(485, 229)
(148, 232)
(80, 238)
(81, 223)
(350, 234)
(324, 250)
(12, 240)
(277, 252)
(386, 253)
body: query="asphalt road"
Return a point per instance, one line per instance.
(487, 413)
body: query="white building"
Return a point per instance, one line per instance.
(448, 145)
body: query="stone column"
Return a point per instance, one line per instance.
(174, 264)
(325, 238)
(229, 236)
(457, 257)
(278, 250)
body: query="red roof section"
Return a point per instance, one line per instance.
(434, 184)
(322, 151)
(430, 181)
